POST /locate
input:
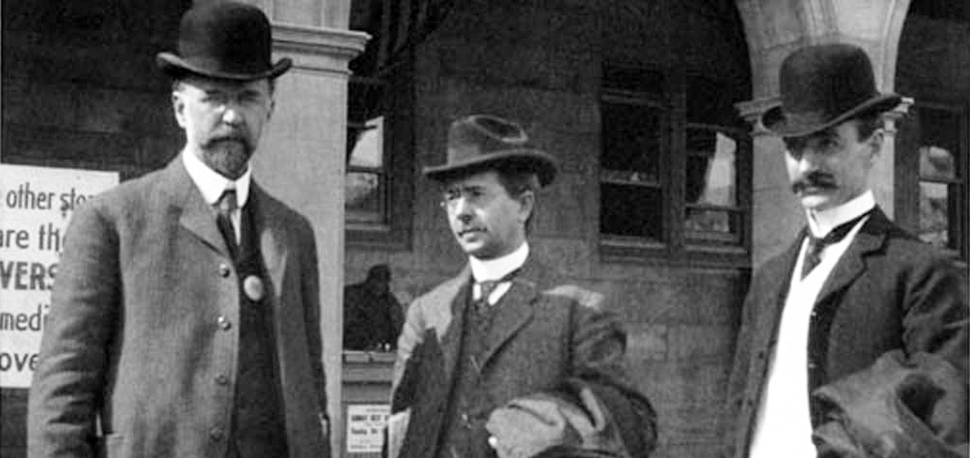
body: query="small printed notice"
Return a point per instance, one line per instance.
(365, 427)
(36, 204)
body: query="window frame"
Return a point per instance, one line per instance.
(675, 246)
(394, 231)
(907, 212)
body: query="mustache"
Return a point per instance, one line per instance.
(234, 136)
(814, 180)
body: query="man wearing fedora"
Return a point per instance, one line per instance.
(506, 359)
(830, 325)
(185, 314)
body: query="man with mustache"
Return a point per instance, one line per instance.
(853, 342)
(186, 298)
(507, 358)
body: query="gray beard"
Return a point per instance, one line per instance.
(229, 158)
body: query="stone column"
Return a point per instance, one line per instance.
(775, 28)
(302, 154)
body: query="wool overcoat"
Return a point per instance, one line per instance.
(544, 333)
(139, 354)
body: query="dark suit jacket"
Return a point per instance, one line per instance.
(888, 291)
(142, 333)
(544, 334)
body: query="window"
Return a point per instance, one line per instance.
(942, 216)
(674, 169)
(377, 183)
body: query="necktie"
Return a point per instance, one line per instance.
(817, 244)
(225, 206)
(486, 287)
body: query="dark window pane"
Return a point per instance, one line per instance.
(940, 128)
(637, 80)
(632, 137)
(633, 211)
(709, 102)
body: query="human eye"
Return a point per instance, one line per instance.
(251, 97)
(214, 97)
(476, 194)
(451, 195)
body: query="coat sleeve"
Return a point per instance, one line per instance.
(599, 352)
(67, 388)
(738, 378)
(310, 284)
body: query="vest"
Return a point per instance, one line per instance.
(468, 405)
(258, 428)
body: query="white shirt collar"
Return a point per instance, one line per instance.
(494, 269)
(821, 222)
(211, 184)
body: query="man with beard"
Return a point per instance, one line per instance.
(853, 342)
(185, 298)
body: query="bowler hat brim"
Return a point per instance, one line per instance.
(799, 125)
(176, 67)
(519, 160)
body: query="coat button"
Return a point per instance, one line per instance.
(761, 354)
(216, 434)
(224, 323)
(222, 379)
(224, 270)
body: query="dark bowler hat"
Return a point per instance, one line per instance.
(480, 142)
(822, 86)
(226, 40)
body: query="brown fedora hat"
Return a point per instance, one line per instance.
(822, 86)
(225, 40)
(480, 142)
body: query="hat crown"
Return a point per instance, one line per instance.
(224, 39)
(479, 135)
(822, 86)
(230, 37)
(478, 142)
(830, 79)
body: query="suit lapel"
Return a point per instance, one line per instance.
(513, 311)
(852, 263)
(197, 216)
(272, 238)
(450, 323)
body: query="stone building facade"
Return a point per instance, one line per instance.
(670, 236)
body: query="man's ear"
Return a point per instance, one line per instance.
(875, 143)
(528, 201)
(178, 108)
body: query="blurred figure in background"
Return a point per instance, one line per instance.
(372, 315)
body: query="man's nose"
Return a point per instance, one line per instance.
(230, 114)
(806, 159)
(462, 210)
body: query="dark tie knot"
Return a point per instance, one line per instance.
(817, 244)
(227, 202)
(486, 288)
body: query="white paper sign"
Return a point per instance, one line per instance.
(35, 206)
(365, 427)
